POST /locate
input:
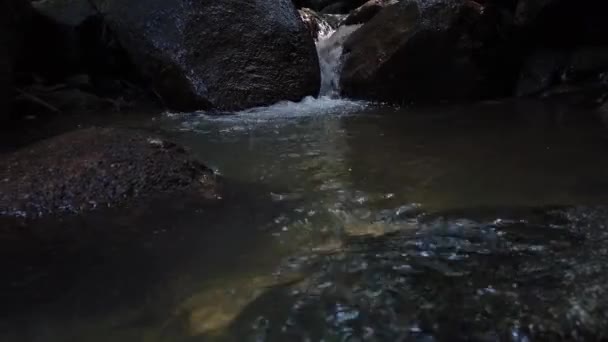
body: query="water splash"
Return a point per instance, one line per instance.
(277, 114)
(325, 31)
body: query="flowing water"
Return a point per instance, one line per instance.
(329, 49)
(342, 221)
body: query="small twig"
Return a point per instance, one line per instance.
(37, 100)
(158, 96)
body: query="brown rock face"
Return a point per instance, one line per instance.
(217, 54)
(422, 51)
(96, 167)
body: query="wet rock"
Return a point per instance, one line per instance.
(315, 5)
(339, 7)
(366, 12)
(96, 167)
(568, 43)
(589, 62)
(71, 13)
(226, 55)
(540, 71)
(579, 95)
(319, 26)
(527, 10)
(406, 285)
(14, 18)
(330, 6)
(581, 74)
(420, 51)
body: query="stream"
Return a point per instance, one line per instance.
(342, 221)
(345, 221)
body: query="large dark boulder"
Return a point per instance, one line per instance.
(14, 19)
(422, 51)
(96, 167)
(217, 54)
(366, 12)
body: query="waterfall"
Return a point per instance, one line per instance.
(329, 49)
(325, 31)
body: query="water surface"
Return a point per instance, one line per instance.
(343, 221)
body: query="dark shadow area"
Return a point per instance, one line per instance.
(98, 263)
(19, 132)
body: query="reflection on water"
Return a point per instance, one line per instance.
(345, 221)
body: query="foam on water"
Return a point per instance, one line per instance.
(284, 111)
(325, 31)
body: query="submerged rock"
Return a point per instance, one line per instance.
(538, 274)
(96, 167)
(14, 17)
(217, 54)
(427, 51)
